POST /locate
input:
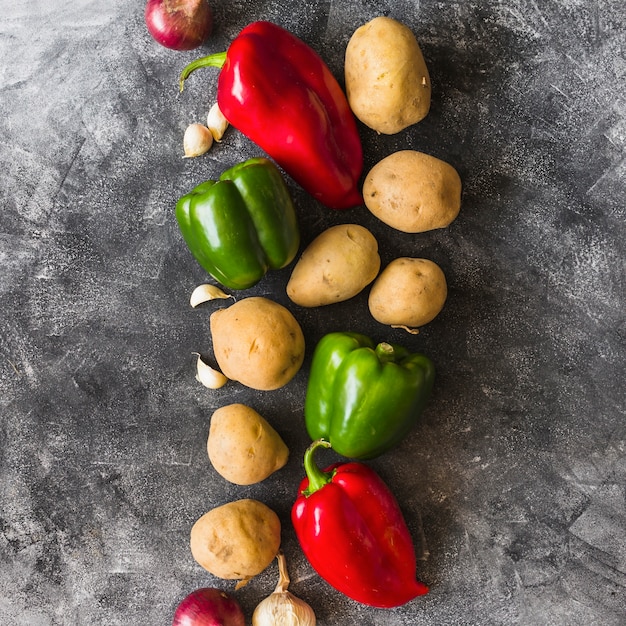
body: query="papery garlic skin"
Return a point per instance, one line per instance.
(197, 140)
(216, 122)
(283, 609)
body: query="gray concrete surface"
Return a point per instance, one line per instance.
(513, 483)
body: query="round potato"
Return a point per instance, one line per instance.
(236, 541)
(413, 192)
(243, 446)
(387, 81)
(257, 342)
(408, 293)
(338, 264)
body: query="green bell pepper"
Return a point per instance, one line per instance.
(364, 398)
(241, 225)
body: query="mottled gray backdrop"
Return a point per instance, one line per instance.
(512, 483)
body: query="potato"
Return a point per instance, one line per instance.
(408, 293)
(237, 540)
(243, 447)
(335, 266)
(257, 342)
(387, 81)
(413, 192)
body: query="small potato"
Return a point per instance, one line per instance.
(408, 293)
(338, 264)
(243, 447)
(236, 541)
(387, 81)
(257, 342)
(413, 192)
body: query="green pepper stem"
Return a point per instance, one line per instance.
(385, 352)
(213, 60)
(317, 478)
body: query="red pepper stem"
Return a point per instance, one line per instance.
(213, 60)
(317, 478)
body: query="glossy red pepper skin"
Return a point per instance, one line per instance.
(354, 535)
(278, 91)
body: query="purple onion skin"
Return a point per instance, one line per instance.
(208, 607)
(179, 24)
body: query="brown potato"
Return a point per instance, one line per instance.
(413, 192)
(338, 264)
(243, 447)
(257, 342)
(387, 81)
(236, 541)
(408, 293)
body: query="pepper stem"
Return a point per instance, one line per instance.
(317, 478)
(213, 60)
(385, 352)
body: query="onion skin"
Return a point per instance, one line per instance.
(179, 24)
(208, 607)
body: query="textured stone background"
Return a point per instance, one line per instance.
(513, 483)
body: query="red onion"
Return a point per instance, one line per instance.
(208, 607)
(179, 24)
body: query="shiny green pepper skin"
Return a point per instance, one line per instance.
(364, 398)
(241, 225)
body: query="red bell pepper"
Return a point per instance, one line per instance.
(278, 92)
(352, 531)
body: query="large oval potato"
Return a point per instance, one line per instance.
(338, 264)
(257, 342)
(243, 446)
(387, 81)
(408, 293)
(413, 192)
(236, 541)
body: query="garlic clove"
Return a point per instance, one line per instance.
(204, 293)
(216, 122)
(197, 140)
(208, 376)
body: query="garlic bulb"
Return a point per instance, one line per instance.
(282, 608)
